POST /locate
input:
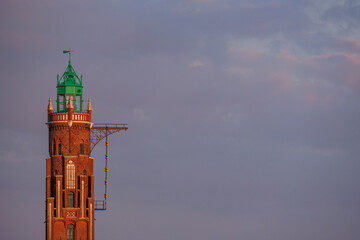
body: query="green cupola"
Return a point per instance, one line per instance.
(69, 86)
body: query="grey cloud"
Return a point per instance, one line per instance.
(209, 153)
(346, 16)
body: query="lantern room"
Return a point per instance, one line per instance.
(69, 87)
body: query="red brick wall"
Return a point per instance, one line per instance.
(70, 138)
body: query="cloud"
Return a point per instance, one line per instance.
(205, 1)
(345, 16)
(139, 114)
(354, 43)
(252, 65)
(236, 111)
(287, 55)
(203, 6)
(198, 63)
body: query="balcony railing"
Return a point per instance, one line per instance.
(100, 205)
(65, 117)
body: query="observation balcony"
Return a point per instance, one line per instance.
(64, 116)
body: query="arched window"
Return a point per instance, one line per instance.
(70, 232)
(70, 174)
(71, 200)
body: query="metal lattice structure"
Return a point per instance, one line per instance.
(98, 132)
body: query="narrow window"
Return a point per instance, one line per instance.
(54, 147)
(61, 103)
(78, 102)
(63, 199)
(71, 201)
(59, 149)
(89, 185)
(55, 207)
(81, 148)
(70, 174)
(70, 232)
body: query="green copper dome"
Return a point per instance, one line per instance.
(69, 86)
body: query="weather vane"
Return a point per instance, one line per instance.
(69, 52)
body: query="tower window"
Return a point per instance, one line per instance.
(59, 149)
(89, 186)
(81, 148)
(70, 232)
(54, 147)
(61, 103)
(71, 202)
(78, 102)
(70, 174)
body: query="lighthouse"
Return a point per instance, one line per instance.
(70, 203)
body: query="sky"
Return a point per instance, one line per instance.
(243, 115)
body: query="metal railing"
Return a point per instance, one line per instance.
(100, 205)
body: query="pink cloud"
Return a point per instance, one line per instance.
(352, 41)
(246, 72)
(273, 70)
(285, 72)
(318, 99)
(198, 63)
(245, 52)
(283, 81)
(353, 57)
(287, 55)
(350, 77)
(353, 75)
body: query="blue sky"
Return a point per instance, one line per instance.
(243, 115)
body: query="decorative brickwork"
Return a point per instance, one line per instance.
(69, 177)
(70, 203)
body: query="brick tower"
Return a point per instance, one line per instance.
(69, 169)
(70, 203)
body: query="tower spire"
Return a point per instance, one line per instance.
(50, 107)
(89, 107)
